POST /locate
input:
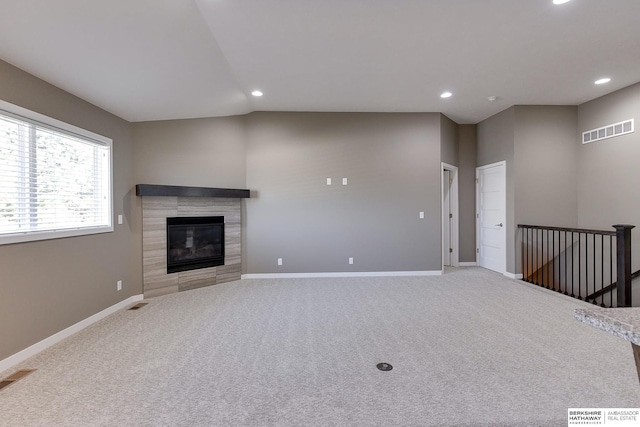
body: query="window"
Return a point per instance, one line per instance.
(55, 179)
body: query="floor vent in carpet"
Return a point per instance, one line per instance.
(138, 306)
(384, 366)
(18, 375)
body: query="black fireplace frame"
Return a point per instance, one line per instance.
(186, 265)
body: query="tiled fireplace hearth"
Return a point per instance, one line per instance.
(160, 202)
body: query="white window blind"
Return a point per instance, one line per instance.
(55, 179)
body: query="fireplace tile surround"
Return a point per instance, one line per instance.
(156, 210)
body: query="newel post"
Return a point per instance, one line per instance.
(623, 254)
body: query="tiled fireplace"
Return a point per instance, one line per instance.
(162, 202)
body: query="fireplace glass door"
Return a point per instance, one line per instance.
(194, 242)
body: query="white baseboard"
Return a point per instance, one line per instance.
(512, 276)
(467, 264)
(341, 274)
(56, 338)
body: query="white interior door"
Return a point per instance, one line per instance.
(446, 218)
(491, 216)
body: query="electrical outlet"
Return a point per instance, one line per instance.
(344, 181)
(350, 260)
(421, 215)
(119, 285)
(279, 261)
(328, 181)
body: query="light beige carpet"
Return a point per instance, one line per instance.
(469, 348)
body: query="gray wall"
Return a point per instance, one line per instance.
(496, 136)
(449, 150)
(545, 172)
(50, 285)
(392, 163)
(467, 145)
(609, 170)
(539, 145)
(200, 152)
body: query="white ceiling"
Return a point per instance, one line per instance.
(168, 59)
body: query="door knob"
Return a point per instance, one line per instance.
(499, 225)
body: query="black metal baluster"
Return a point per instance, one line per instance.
(542, 262)
(579, 265)
(533, 251)
(602, 269)
(546, 263)
(525, 243)
(553, 259)
(535, 259)
(527, 257)
(573, 252)
(548, 260)
(529, 253)
(566, 282)
(586, 266)
(595, 299)
(525, 254)
(522, 249)
(611, 269)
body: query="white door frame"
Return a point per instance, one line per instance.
(492, 165)
(453, 196)
(447, 246)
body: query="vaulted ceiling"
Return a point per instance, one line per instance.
(169, 59)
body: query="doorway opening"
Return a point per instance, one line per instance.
(449, 185)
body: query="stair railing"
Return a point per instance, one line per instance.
(580, 263)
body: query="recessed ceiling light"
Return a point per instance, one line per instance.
(561, 1)
(602, 81)
(257, 93)
(446, 95)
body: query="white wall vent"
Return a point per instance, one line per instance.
(608, 131)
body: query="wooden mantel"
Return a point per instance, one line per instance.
(179, 191)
